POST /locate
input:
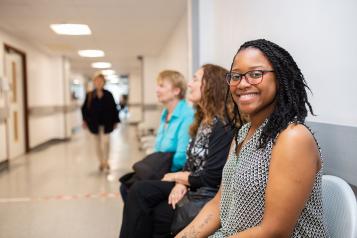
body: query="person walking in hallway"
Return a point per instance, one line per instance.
(100, 116)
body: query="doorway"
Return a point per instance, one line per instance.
(16, 102)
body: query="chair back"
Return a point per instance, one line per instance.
(340, 207)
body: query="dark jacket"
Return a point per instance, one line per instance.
(100, 112)
(210, 174)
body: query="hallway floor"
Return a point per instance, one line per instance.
(58, 191)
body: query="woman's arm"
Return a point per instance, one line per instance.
(114, 109)
(211, 173)
(84, 108)
(183, 138)
(206, 222)
(178, 177)
(293, 167)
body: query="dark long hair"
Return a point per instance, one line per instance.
(292, 103)
(214, 89)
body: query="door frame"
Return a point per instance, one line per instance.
(8, 48)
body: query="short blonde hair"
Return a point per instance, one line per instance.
(98, 75)
(176, 79)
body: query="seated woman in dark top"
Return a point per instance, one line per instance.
(149, 209)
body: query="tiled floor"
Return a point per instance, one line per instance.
(57, 191)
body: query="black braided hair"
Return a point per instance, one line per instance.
(291, 98)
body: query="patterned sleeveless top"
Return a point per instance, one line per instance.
(243, 191)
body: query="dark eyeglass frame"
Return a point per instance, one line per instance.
(247, 78)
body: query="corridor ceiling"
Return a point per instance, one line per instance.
(123, 29)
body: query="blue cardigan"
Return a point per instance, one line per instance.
(175, 136)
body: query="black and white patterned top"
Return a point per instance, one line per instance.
(244, 183)
(198, 149)
(207, 153)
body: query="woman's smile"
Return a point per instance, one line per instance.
(247, 97)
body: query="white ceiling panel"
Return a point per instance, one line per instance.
(124, 29)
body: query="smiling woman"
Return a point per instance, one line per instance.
(271, 183)
(252, 94)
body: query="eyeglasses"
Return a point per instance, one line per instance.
(253, 77)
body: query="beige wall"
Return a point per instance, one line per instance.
(2, 142)
(135, 96)
(174, 55)
(47, 87)
(321, 36)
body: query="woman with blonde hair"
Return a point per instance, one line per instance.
(175, 120)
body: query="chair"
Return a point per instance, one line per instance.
(340, 207)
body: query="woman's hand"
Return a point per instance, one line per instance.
(178, 177)
(177, 193)
(169, 177)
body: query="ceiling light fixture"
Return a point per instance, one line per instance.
(113, 78)
(91, 53)
(108, 72)
(101, 65)
(71, 29)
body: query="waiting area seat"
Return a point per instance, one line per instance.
(340, 207)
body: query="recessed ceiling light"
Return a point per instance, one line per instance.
(101, 65)
(71, 29)
(108, 72)
(91, 53)
(113, 78)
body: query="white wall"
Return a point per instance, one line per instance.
(321, 35)
(2, 105)
(151, 70)
(45, 128)
(45, 80)
(175, 56)
(135, 97)
(47, 86)
(2, 142)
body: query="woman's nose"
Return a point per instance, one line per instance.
(243, 82)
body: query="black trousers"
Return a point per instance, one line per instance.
(146, 210)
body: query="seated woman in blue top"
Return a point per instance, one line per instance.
(177, 116)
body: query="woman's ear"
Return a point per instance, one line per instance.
(177, 91)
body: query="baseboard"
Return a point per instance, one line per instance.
(47, 144)
(4, 165)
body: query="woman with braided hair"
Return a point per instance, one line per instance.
(271, 183)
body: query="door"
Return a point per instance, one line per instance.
(15, 102)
